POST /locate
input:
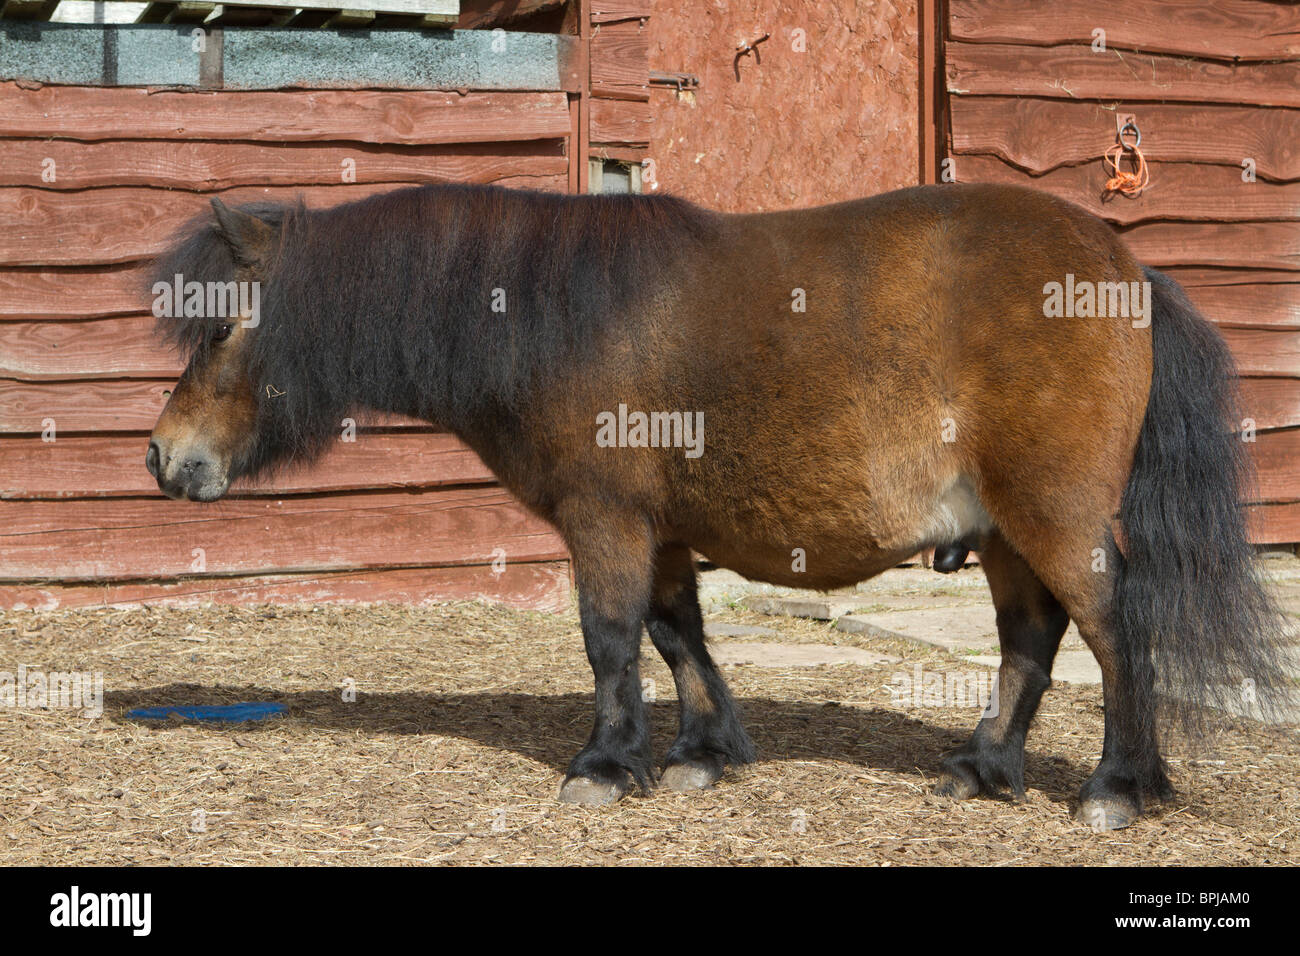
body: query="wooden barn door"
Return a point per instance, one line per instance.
(1027, 92)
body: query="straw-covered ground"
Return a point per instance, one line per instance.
(465, 716)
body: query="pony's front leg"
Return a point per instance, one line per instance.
(711, 734)
(612, 562)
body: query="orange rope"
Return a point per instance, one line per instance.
(1122, 181)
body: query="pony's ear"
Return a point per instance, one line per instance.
(249, 238)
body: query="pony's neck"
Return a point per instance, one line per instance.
(460, 305)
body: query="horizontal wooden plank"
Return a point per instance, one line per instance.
(620, 121)
(608, 11)
(1177, 191)
(1277, 465)
(1269, 305)
(1264, 352)
(627, 154)
(148, 538)
(1075, 72)
(1274, 523)
(535, 586)
(1210, 276)
(71, 293)
(270, 58)
(1041, 134)
(130, 406)
(448, 9)
(205, 166)
(1223, 29)
(620, 61)
(1271, 402)
(366, 116)
(119, 347)
(110, 406)
(98, 226)
(1261, 245)
(102, 467)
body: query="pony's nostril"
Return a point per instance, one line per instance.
(151, 459)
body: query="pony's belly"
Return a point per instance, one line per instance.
(818, 567)
(860, 538)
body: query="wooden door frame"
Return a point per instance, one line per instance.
(932, 125)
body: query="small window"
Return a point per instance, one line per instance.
(614, 176)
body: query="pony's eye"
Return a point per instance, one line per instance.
(222, 333)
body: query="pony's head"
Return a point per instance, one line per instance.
(295, 319)
(207, 298)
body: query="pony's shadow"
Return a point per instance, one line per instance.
(551, 729)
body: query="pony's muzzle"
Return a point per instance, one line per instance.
(191, 473)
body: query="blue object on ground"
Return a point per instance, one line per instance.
(223, 713)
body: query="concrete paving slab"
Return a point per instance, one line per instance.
(918, 580)
(962, 629)
(861, 624)
(715, 629)
(959, 630)
(819, 608)
(1070, 667)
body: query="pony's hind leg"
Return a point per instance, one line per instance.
(612, 555)
(1030, 624)
(1067, 558)
(1131, 764)
(710, 735)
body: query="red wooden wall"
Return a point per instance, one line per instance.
(404, 512)
(1213, 84)
(619, 82)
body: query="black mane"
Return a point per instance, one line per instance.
(386, 302)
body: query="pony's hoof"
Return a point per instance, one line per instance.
(592, 793)
(686, 777)
(1103, 814)
(956, 787)
(957, 782)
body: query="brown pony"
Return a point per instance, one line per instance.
(957, 366)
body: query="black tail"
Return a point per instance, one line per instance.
(1187, 601)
